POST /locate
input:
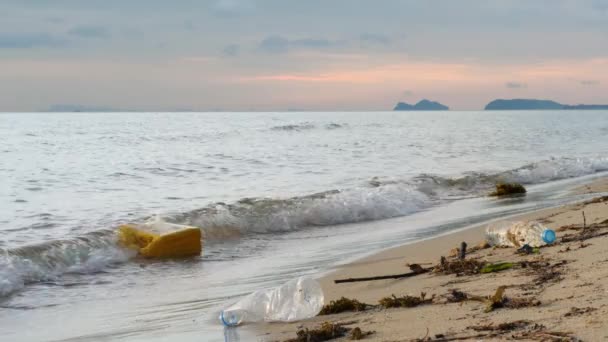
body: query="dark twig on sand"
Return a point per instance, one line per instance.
(416, 270)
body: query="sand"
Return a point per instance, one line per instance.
(574, 303)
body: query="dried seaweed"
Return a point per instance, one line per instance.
(405, 301)
(327, 331)
(544, 335)
(517, 330)
(497, 300)
(544, 273)
(504, 189)
(342, 305)
(456, 296)
(597, 200)
(579, 311)
(501, 327)
(358, 334)
(459, 267)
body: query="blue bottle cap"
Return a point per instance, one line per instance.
(548, 236)
(230, 322)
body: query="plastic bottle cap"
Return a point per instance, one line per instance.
(548, 236)
(228, 323)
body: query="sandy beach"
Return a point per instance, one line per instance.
(563, 287)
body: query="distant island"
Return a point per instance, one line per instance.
(422, 105)
(534, 104)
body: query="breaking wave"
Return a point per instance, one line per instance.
(376, 199)
(47, 261)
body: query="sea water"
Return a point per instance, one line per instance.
(278, 195)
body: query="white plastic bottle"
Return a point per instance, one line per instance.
(297, 299)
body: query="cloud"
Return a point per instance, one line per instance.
(374, 39)
(274, 44)
(230, 8)
(89, 32)
(590, 82)
(231, 50)
(516, 85)
(28, 40)
(312, 43)
(408, 93)
(280, 44)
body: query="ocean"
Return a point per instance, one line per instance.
(278, 195)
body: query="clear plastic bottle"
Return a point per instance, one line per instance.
(297, 299)
(518, 234)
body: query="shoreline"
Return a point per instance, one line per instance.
(441, 318)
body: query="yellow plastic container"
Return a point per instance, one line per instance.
(182, 243)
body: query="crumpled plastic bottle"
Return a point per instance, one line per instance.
(518, 234)
(297, 299)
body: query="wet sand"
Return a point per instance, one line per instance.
(573, 301)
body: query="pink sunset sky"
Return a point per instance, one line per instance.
(287, 55)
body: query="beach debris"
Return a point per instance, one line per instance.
(517, 330)
(342, 305)
(405, 301)
(497, 300)
(456, 296)
(327, 331)
(584, 221)
(574, 311)
(584, 232)
(509, 326)
(416, 268)
(497, 267)
(541, 334)
(297, 299)
(600, 199)
(505, 189)
(463, 251)
(543, 271)
(527, 249)
(459, 267)
(358, 334)
(518, 234)
(416, 271)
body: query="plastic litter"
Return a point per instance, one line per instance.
(159, 239)
(295, 300)
(518, 234)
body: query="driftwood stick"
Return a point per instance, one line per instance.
(392, 276)
(584, 221)
(463, 251)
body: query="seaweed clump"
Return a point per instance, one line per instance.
(505, 189)
(405, 301)
(501, 327)
(357, 334)
(327, 331)
(498, 300)
(342, 305)
(459, 267)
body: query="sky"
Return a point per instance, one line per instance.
(278, 55)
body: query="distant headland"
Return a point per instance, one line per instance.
(534, 104)
(422, 105)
